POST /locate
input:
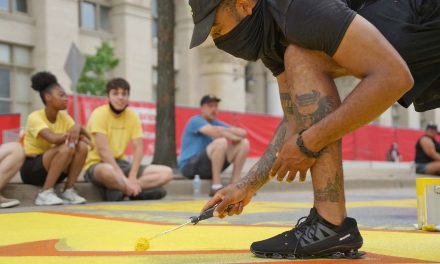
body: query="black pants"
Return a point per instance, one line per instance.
(200, 165)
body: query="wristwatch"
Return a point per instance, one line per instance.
(304, 150)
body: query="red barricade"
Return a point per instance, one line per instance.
(9, 125)
(367, 143)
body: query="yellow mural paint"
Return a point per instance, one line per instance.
(142, 244)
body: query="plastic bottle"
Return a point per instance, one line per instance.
(197, 185)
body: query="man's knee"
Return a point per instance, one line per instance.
(220, 144)
(244, 145)
(103, 173)
(166, 173)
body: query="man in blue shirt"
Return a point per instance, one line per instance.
(209, 146)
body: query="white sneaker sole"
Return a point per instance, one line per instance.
(37, 202)
(70, 202)
(9, 204)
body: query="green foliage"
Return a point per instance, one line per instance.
(96, 71)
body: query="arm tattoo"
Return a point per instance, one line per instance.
(333, 192)
(323, 106)
(307, 99)
(286, 103)
(259, 173)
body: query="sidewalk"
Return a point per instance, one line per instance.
(357, 175)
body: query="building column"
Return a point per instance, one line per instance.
(386, 119)
(56, 29)
(413, 118)
(131, 26)
(436, 116)
(188, 63)
(223, 75)
(273, 95)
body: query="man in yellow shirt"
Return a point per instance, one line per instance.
(112, 127)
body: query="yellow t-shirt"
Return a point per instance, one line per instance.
(36, 122)
(119, 131)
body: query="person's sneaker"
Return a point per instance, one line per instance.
(150, 194)
(70, 196)
(113, 195)
(313, 237)
(48, 197)
(7, 203)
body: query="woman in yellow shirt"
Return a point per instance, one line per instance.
(56, 148)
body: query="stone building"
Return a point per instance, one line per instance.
(36, 35)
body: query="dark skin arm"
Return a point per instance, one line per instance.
(240, 194)
(385, 78)
(53, 138)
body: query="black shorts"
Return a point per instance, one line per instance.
(125, 166)
(421, 168)
(200, 165)
(33, 171)
(413, 28)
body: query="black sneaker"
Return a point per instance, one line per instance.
(112, 195)
(313, 237)
(150, 194)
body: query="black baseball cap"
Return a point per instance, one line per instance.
(209, 98)
(203, 13)
(432, 126)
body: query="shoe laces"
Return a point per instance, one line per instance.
(305, 226)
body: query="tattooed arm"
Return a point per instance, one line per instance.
(258, 175)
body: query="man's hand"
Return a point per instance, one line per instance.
(133, 187)
(291, 160)
(229, 200)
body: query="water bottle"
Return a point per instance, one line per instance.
(197, 185)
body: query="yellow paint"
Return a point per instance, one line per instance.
(194, 207)
(142, 244)
(88, 234)
(417, 245)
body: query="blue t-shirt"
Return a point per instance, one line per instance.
(193, 141)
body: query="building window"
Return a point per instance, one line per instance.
(395, 116)
(154, 23)
(104, 18)
(15, 68)
(154, 80)
(19, 6)
(94, 16)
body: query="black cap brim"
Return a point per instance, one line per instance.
(202, 30)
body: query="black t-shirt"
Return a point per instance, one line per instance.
(421, 156)
(412, 27)
(312, 24)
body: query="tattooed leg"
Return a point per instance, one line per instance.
(313, 95)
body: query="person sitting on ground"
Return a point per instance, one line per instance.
(209, 146)
(55, 147)
(11, 159)
(393, 153)
(112, 127)
(427, 157)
